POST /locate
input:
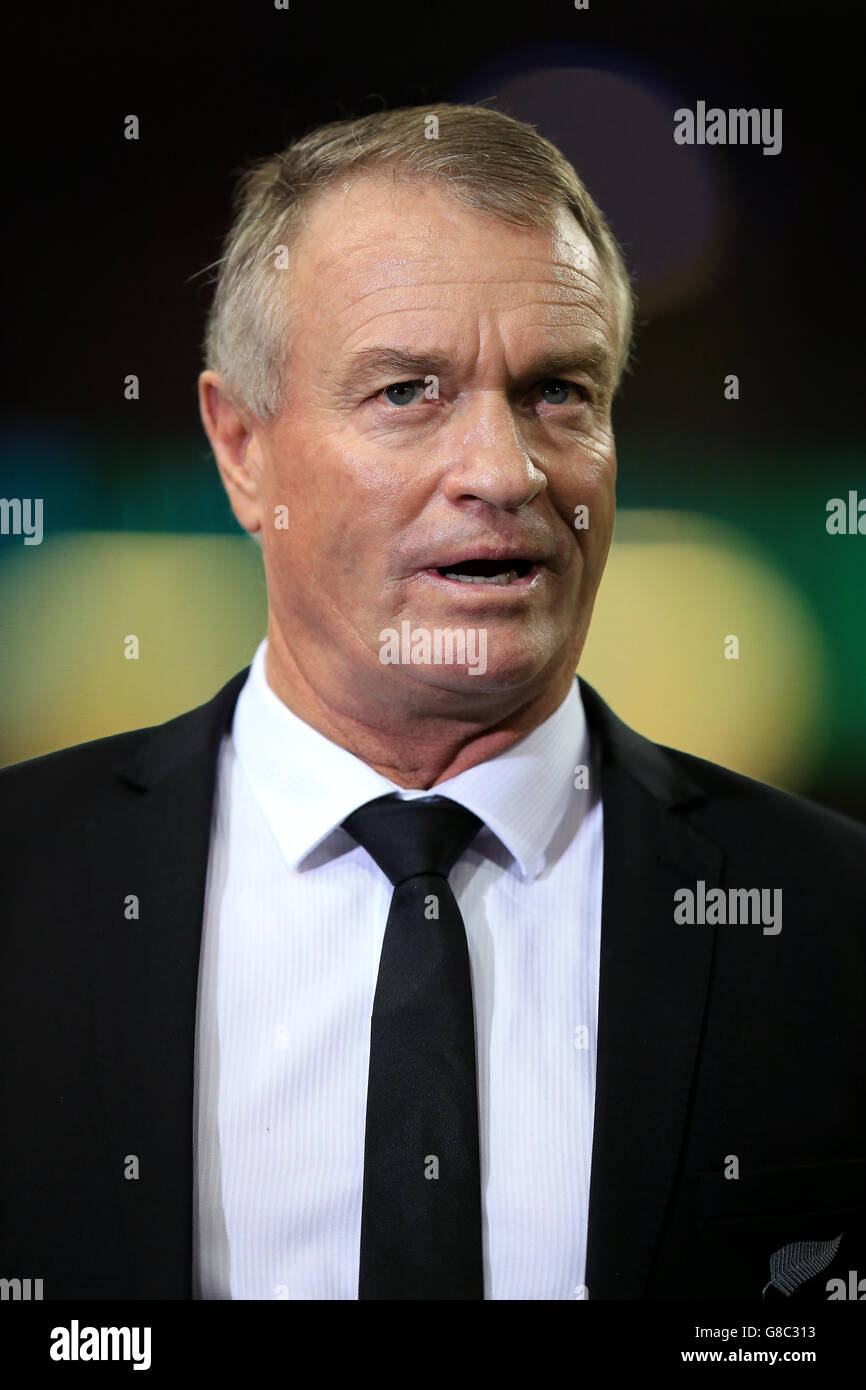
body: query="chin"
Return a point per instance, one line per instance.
(485, 676)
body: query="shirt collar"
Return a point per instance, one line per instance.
(306, 785)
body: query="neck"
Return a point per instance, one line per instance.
(416, 747)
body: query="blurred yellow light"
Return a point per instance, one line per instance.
(676, 586)
(196, 603)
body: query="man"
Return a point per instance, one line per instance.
(403, 969)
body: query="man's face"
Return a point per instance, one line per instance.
(394, 482)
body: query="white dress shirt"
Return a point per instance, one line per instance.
(294, 918)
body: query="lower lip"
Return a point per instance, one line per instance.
(530, 580)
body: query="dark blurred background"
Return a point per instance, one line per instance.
(745, 264)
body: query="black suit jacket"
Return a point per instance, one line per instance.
(715, 1042)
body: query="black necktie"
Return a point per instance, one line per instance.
(421, 1211)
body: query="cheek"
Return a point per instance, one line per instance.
(376, 501)
(380, 483)
(332, 491)
(588, 500)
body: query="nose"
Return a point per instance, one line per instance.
(490, 462)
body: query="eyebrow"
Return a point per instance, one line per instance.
(594, 359)
(398, 361)
(395, 361)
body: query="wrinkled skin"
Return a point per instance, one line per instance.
(519, 326)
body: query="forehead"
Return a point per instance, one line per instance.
(374, 248)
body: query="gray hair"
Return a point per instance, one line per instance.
(486, 160)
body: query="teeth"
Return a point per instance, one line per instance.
(506, 577)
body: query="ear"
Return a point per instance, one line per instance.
(234, 438)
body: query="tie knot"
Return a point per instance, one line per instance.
(406, 838)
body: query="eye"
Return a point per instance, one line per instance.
(403, 392)
(556, 392)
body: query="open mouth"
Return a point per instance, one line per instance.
(502, 572)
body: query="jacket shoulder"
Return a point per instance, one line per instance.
(52, 772)
(73, 778)
(763, 814)
(767, 824)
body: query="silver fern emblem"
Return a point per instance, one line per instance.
(794, 1264)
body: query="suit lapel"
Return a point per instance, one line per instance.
(653, 985)
(151, 840)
